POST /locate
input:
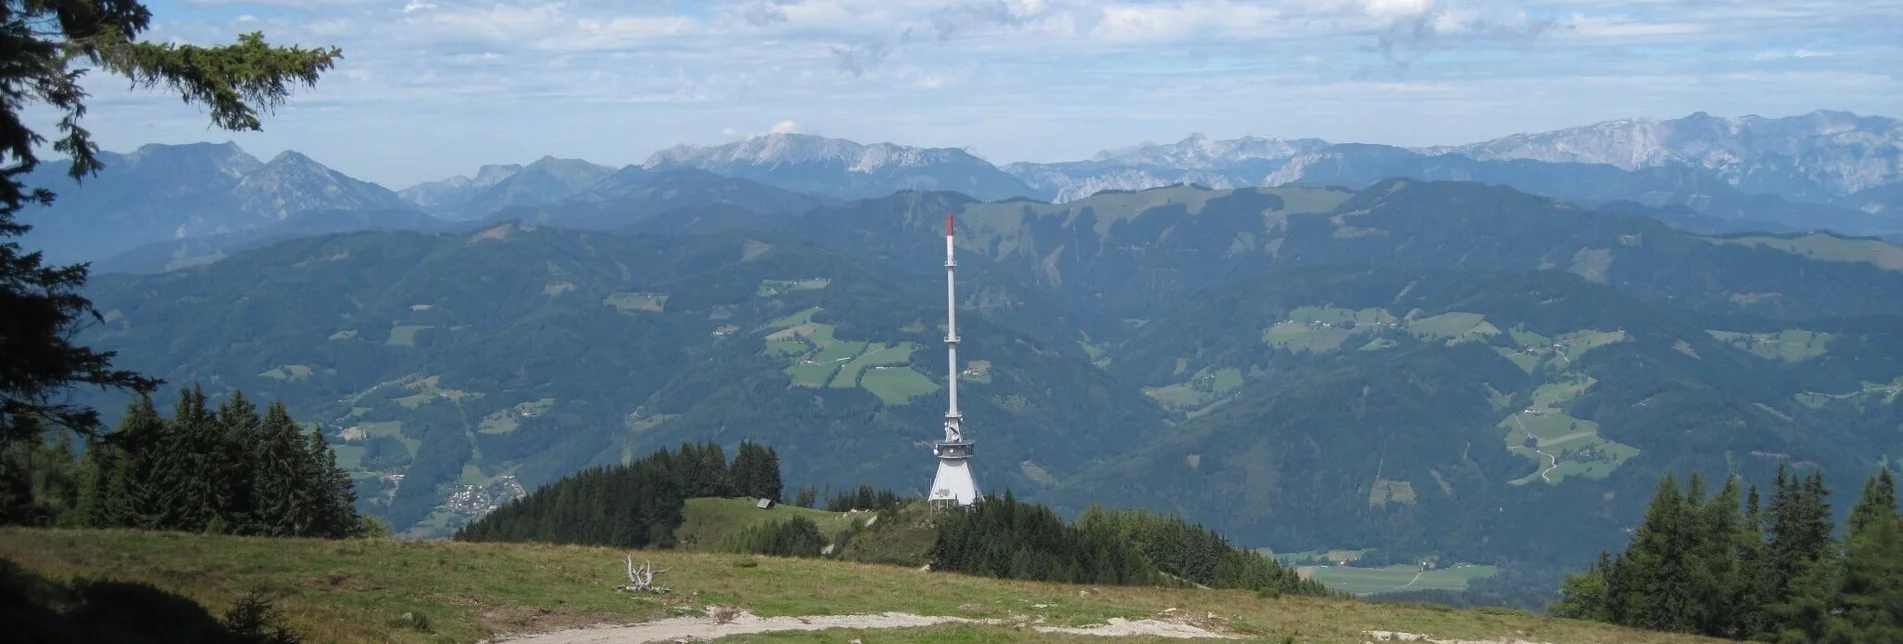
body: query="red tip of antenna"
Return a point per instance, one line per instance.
(948, 225)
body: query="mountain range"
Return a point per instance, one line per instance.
(1820, 171)
(1492, 361)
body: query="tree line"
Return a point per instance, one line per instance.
(228, 470)
(1009, 539)
(1767, 571)
(637, 505)
(1197, 554)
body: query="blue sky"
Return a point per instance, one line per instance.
(432, 88)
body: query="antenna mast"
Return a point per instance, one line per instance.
(953, 482)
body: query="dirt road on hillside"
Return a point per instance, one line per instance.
(721, 624)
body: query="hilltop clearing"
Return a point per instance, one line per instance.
(389, 591)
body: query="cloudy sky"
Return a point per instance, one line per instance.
(432, 88)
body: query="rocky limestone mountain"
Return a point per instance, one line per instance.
(1808, 157)
(1199, 152)
(293, 183)
(1712, 200)
(844, 169)
(499, 187)
(547, 180)
(444, 195)
(163, 192)
(1197, 160)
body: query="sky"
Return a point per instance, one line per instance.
(433, 88)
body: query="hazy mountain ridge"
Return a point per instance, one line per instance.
(445, 195)
(1734, 174)
(161, 192)
(843, 169)
(1809, 157)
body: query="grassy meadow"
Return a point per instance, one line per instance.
(360, 591)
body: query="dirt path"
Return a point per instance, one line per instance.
(1550, 467)
(717, 625)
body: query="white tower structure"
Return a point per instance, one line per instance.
(953, 482)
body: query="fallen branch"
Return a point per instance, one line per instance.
(641, 579)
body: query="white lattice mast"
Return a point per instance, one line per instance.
(953, 482)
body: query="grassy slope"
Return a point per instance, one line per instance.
(355, 591)
(707, 521)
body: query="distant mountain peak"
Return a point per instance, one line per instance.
(1834, 153)
(1199, 151)
(226, 159)
(490, 175)
(779, 148)
(293, 157)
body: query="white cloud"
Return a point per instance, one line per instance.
(1033, 78)
(785, 127)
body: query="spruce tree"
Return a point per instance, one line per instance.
(767, 481)
(1654, 581)
(744, 473)
(335, 498)
(179, 468)
(1713, 560)
(231, 464)
(1877, 504)
(1869, 602)
(287, 500)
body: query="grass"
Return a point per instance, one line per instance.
(507, 420)
(1823, 246)
(1454, 327)
(769, 288)
(630, 302)
(811, 374)
(1302, 337)
(1553, 394)
(290, 372)
(1789, 345)
(896, 385)
(404, 335)
(877, 354)
(391, 428)
(429, 390)
(1525, 361)
(707, 521)
(1386, 492)
(1574, 345)
(1200, 391)
(352, 591)
(1570, 446)
(1368, 581)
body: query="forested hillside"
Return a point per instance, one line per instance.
(478, 365)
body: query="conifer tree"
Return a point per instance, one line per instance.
(767, 481)
(45, 47)
(232, 436)
(288, 497)
(176, 469)
(334, 513)
(1869, 603)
